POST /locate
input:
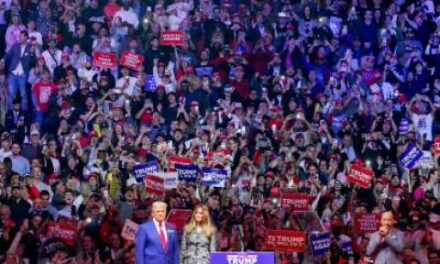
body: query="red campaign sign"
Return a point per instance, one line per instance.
(437, 145)
(286, 240)
(179, 217)
(360, 176)
(177, 160)
(154, 184)
(296, 201)
(67, 233)
(132, 60)
(217, 154)
(366, 222)
(104, 59)
(172, 37)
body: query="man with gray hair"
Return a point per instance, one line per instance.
(156, 242)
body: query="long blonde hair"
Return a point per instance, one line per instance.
(207, 226)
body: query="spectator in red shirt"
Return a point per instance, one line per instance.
(41, 92)
(240, 84)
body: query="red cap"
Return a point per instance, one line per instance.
(270, 174)
(401, 98)
(320, 95)
(382, 181)
(65, 104)
(189, 70)
(276, 109)
(377, 76)
(53, 176)
(93, 133)
(336, 222)
(93, 174)
(267, 200)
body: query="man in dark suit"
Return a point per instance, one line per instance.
(156, 242)
(13, 115)
(19, 61)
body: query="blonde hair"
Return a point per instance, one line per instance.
(159, 204)
(207, 226)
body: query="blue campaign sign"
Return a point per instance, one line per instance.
(242, 258)
(346, 247)
(141, 170)
(213, 177)
(410, 156)
(187, 173)
(320, 243)
(150, 84)
(204, 71)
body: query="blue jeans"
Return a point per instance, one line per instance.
(17, 84)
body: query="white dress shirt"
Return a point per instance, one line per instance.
(19, 71)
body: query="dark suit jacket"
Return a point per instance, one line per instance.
(13, 57)
(10, 122)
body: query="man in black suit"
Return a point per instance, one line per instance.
(13, 115)
(19, 61)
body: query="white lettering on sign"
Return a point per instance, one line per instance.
(360, 175)
(171, 37)
(321, 243)
(237, 259)
(410, 156)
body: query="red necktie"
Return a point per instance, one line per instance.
(162, 237)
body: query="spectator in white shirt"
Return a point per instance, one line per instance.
(174, 19)
(422, 116)
(52, 56)
(127, 14)
(20, 164)
(126, 83)
(5, 150)
(33, 34)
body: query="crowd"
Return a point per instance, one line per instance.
(285, 96)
